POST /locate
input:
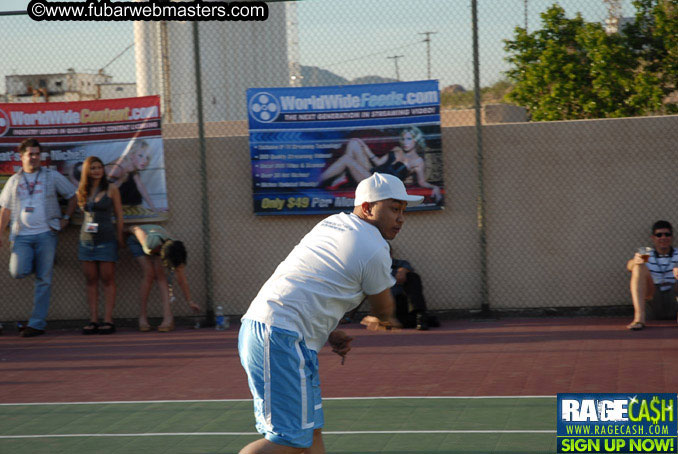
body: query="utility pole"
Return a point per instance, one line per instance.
(614, 15)
(395, 60)
(525, 1)
(427, 40)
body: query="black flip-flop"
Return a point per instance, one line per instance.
(106, 328)
(91, 328)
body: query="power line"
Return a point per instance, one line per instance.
(373, 54)
(116, 57)
(395, 60)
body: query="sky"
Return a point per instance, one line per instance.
(352, 38)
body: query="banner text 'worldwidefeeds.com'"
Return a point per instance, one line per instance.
(151, 10)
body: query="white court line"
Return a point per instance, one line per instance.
(200, 434)
(250, 400)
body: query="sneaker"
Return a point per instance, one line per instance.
(29, 331)
(422, 323)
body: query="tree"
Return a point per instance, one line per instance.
(572, 69)
(653, 37)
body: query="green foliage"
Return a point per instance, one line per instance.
(466, 100)
(572, 69)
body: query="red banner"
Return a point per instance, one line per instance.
(125, 133)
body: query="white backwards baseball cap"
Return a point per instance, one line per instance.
(382, 186)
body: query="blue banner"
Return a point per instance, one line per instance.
(617, 423)
(311, 146)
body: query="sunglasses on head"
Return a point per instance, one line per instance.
(661, 234)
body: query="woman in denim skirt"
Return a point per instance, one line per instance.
(99, 241)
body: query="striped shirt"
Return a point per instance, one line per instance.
(661, 268)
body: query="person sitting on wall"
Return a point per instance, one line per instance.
(654, 278)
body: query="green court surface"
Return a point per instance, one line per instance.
(519, 425)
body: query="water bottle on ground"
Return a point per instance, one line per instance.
(219, 319)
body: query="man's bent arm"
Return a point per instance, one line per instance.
(383, 305)
(636, 260)
(4, 220)
(70, 208)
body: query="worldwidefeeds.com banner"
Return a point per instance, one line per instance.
(617, 423)
(311, 146)
(124, 133)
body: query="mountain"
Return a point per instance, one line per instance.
(372, 80)
(313, 76)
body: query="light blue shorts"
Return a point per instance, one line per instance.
(284, 381)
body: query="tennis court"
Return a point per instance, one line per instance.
(395, 425)
(472, 386)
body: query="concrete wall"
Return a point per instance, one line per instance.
(566, 205)
(569, 202)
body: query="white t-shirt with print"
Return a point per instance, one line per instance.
(328, 273)
(33, 219)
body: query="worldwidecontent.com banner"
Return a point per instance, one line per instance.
(617, 423)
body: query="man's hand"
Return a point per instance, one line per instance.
(401, 275)
(340, 343)
(638, 259)
(63, 223)
(194, 306)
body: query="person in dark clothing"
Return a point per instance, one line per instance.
(408, 293)
(100, 239)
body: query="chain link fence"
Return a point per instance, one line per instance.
(538, 214)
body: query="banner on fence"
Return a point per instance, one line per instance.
(619, 423)
(124, 133)
(310, 146)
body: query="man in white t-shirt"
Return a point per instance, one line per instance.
(343, 258)
(29, 203)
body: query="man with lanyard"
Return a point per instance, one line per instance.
(29, 203)
(653, 278)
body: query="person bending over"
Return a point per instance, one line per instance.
(156, 252)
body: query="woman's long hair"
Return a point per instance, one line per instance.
(417, 135)
(85, 187)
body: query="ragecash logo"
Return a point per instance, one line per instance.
(620, 423)
(4, 123)
(264, 107)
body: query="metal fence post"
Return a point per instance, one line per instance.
(480, 201)
(203, 180)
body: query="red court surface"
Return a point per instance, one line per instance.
(506, 357)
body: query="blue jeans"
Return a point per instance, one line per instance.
(35, 253)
